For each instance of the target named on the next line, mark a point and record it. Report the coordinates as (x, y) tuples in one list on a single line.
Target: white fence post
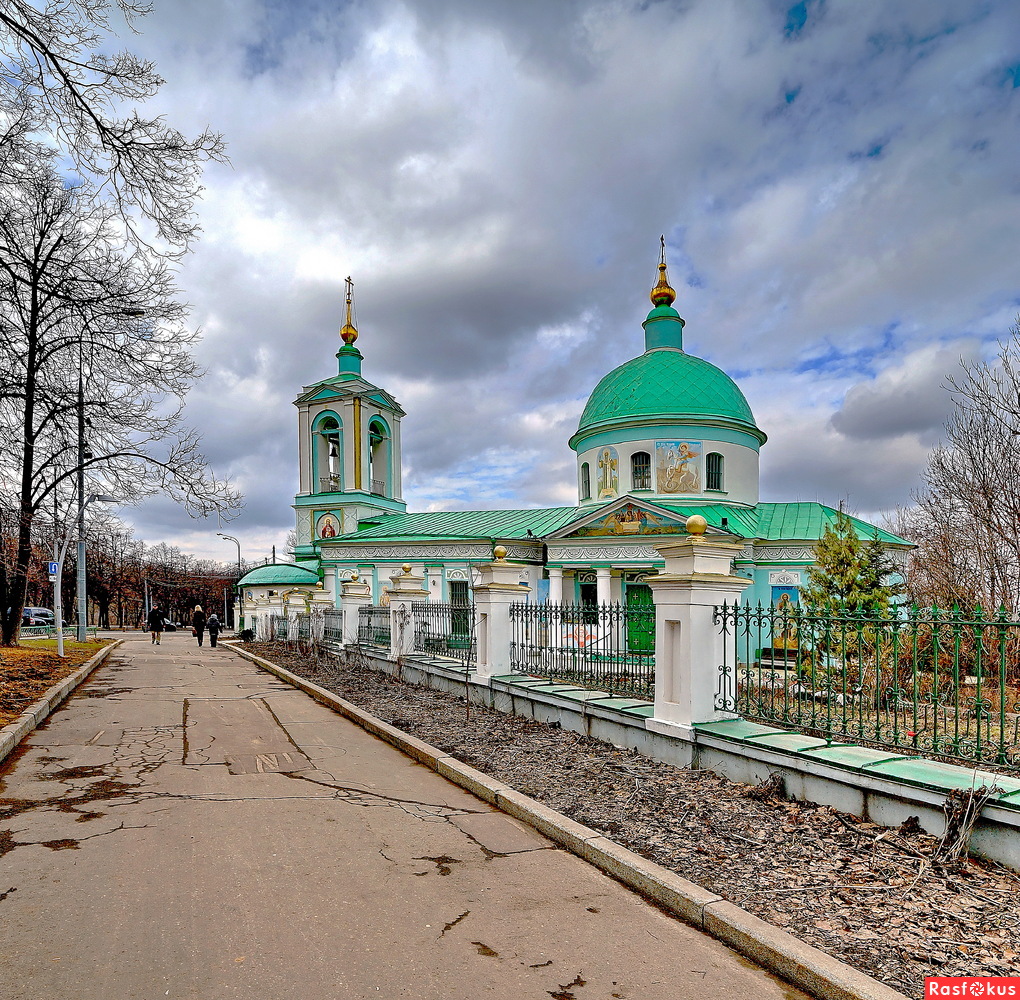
[(497, 589), (354, 595), (688, 643), (405, 590)]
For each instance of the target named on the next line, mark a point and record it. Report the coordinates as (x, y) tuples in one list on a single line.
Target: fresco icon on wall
[(678, 466), (328, 526), (609, 472), (631, 520)]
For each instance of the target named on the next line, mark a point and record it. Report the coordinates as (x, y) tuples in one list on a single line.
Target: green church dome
[(279, 574), (668, 384)]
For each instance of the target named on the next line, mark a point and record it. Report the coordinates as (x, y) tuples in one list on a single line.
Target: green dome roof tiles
[(279, 573), (669, 384)]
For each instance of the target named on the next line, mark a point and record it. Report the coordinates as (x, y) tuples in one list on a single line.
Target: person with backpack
[(213, 624), (155, 623), (198, 623)]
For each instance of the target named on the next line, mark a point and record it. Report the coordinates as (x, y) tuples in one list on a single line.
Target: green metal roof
[(666, 383), (806, 519), (465, 524), (741, 521), (278, 573), (776, 522)]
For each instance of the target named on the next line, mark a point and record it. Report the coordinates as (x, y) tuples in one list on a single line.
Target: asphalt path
[(188, 826)]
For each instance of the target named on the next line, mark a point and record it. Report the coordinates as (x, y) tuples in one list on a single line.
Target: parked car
[(169, 626), (38, 616)]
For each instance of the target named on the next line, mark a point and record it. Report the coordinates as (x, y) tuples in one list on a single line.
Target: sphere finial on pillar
[(696, 525)]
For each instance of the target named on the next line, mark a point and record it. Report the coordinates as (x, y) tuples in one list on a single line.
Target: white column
[(603, 584), (404, 590), (496, 591), (354, 595), (688, 643), (555, 585)]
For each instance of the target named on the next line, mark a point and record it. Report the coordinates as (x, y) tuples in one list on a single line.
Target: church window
[(713, 471), (379, 457), (585, 481), (328, 461), (641, 470)]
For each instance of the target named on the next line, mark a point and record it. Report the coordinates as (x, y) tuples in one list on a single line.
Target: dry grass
[(27, 672)]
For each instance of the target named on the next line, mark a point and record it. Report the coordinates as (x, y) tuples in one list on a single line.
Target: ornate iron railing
[(333, 626), (446, 630), (374, 626), (936, 682), (330, 484), (607, 646)]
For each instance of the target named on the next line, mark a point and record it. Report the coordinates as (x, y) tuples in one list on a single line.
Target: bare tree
[(58, 89), (77, 360), (967, 522)]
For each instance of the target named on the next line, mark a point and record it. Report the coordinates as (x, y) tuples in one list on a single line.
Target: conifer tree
[(881, 574), (846, 573)]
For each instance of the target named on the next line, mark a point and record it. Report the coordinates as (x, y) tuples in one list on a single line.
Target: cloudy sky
[(838, 182)]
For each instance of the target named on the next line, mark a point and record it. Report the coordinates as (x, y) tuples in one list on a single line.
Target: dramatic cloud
[(836, 181)]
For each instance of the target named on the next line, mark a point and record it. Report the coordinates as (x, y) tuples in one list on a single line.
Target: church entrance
[(640, 619)]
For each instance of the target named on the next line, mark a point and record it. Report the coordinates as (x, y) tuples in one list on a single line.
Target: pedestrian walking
[(213, 624), (198, 623), (155, 623)]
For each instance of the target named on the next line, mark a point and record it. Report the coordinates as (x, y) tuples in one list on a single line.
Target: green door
[(640, 619)]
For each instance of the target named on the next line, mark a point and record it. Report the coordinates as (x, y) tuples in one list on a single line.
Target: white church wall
[(740, 471)]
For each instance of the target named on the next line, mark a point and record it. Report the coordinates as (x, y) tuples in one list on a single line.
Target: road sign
[(52, 569), (53, 577)]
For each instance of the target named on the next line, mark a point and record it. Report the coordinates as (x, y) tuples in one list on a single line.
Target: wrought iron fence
[(333, 626), (607, 646), (374, 626), (446, 630), (934, 681)]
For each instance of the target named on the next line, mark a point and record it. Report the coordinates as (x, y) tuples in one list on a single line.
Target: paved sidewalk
[(188, 826)]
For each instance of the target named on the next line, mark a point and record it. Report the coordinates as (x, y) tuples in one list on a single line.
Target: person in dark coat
[(198, 623), (213, 624), (155, 623)]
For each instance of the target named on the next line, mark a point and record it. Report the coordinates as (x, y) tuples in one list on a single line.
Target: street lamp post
[(231, 538), (81, 502), (130, 312), (57, 597)]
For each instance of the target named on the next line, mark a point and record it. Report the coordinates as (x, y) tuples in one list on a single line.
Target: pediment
[(328, 393), (626, 517)]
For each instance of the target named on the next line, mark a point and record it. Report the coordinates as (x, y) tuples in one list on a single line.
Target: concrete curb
[(800, 964), (14, 732)]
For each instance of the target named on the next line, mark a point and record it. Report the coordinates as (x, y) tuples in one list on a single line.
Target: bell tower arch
[(349, 448)]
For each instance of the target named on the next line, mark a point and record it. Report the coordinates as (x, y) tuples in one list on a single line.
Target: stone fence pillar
[(496, 591), (354, 595), (688, 644), (404, 591)]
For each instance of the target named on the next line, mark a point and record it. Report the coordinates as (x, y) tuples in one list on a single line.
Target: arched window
[(328, 452), (641, 471), (585, 481), (379, 457), (713, 471)]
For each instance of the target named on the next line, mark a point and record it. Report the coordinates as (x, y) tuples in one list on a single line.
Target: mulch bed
[(878, 899), (28, 672)]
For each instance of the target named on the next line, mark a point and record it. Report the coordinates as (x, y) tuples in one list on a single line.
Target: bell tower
[(349, 449)]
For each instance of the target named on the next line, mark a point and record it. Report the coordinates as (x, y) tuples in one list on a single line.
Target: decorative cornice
[(411, 551), (784, 553), (527, 553), (571, 553)]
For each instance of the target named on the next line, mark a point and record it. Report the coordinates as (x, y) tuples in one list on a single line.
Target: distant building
[(663, 436)]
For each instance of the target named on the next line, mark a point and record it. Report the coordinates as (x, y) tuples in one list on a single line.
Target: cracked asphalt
[(188, 826)]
